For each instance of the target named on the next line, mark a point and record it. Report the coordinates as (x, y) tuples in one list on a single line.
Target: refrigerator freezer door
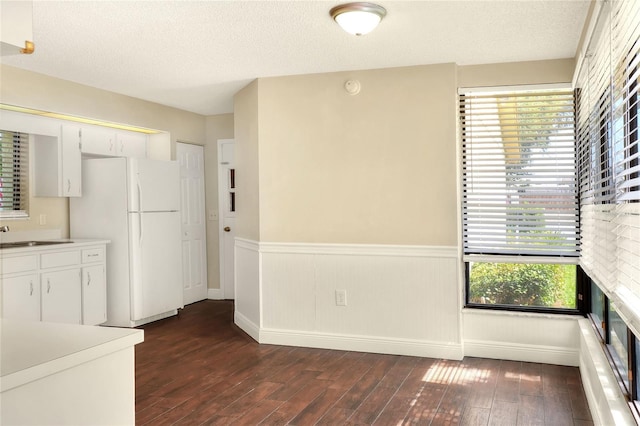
[(153, 185), (156, 263)]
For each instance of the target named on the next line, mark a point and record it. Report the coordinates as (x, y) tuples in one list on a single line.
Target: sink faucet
[(4, 228)]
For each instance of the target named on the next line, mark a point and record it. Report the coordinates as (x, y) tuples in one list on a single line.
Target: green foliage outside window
[(544, 285)]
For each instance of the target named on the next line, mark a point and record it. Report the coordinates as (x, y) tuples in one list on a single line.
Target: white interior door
[(194, 241), (227, 208)]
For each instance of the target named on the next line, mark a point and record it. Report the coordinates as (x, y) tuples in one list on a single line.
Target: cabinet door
[(131, 145), (98, 141), (71, 160), (61, 297), (21, 297), (94, 295)]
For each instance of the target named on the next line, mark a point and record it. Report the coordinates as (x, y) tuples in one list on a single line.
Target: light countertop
[(33, 350), (71, 244)]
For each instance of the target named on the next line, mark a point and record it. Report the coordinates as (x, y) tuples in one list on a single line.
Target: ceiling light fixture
[(358, 18)]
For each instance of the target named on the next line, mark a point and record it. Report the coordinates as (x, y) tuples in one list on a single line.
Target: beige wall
[(374, 168), (217, 127), (246, 130), (516, 73), (29, 89), (379, 167)]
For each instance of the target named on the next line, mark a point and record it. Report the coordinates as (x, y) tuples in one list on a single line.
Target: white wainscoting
[(518, 336), (247, 283), (400, 299)]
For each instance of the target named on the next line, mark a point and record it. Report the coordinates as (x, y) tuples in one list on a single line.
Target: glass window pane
[(597, 307), (523, 284), (618, 343)]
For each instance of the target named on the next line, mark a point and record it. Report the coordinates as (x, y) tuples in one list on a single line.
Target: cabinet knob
[(68, 185), (88, 279), (31, 288), (48, 285)]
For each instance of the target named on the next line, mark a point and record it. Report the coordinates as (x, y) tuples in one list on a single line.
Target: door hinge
[(630, 375), (580, 297)]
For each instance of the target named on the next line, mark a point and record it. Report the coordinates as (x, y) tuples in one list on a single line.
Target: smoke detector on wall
[(352, 87)]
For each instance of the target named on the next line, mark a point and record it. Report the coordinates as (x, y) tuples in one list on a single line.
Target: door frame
[(221, 203)]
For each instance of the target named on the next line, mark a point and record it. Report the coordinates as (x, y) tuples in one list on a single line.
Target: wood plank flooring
[(199, 368)]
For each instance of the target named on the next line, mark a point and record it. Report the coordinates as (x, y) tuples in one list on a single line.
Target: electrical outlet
[(213, 215), (341, 297), (43, 219)]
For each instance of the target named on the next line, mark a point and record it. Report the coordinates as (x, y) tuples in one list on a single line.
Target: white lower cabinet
[(21, 297), (66, 285), (94, 304), (61, 296)]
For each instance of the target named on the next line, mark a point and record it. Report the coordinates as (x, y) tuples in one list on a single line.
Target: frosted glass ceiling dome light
[(358, 18)]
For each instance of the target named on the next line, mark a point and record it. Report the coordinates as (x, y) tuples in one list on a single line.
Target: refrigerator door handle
[(139, 193)]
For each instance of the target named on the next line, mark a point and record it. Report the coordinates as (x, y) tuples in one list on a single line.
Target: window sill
[(521, 314)]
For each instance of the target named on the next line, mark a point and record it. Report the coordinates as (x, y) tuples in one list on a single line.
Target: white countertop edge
[(130, 338), (77, 243)]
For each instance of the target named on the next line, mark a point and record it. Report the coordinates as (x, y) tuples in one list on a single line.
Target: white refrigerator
[(134, 203)]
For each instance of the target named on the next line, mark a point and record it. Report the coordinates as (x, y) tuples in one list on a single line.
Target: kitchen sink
[(20, 244)]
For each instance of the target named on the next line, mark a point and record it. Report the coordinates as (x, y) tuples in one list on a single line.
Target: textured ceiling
[(195, 55)]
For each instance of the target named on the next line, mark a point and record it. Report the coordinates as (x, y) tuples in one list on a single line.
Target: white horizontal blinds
[(14, 172), (607, 98), (625, 55), (625, 34), (600, 119), (519, 180)]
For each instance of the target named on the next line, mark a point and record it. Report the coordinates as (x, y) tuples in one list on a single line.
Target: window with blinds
[(519, 177), (14, 174), (608, 158), (520, 205)]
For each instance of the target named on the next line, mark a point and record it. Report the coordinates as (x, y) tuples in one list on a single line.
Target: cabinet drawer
[(93, 255), (19, 264), (63, 258)]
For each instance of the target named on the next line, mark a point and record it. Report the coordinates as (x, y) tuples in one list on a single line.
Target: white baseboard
[(519, 352), (362, 344), (247, 326), (215, 294)]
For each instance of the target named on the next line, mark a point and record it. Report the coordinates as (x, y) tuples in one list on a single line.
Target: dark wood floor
[(199, 368)]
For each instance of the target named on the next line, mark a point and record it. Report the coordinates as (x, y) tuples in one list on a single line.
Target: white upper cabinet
[(131, 145), (71, 162), (98, 141), (103, 141), (16, 27), (58, 164)]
